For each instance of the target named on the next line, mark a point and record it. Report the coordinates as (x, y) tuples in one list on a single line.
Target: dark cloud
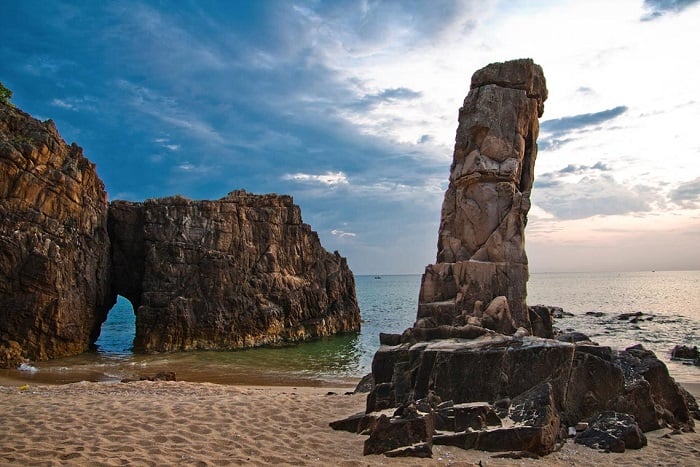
[(578, 169), (657, 8), (687, 194), (560, 131), (577, 122)]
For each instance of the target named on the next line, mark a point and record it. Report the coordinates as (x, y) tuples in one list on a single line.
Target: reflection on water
[(326, 360)]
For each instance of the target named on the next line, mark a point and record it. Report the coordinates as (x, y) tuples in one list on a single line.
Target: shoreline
[(159, 423)]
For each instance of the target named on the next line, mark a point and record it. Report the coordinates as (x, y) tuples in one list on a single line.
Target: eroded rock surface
[(476, 345), (481, 254), (238, 272), (54, 248)]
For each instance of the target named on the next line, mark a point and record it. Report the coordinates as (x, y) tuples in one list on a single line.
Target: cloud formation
[(687, 194), (557, 132), (351, 107), (658, 8), (329, 178)]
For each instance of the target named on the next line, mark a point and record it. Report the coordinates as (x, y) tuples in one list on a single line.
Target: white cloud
[(329, 178), (63, 104), (342, 233)]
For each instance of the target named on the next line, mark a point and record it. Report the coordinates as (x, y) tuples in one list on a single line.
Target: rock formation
[(481, 253), (239, 272), (54, 249), (480, 369)]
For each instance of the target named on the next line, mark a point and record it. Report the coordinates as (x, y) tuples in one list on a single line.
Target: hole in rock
[(118, 331)]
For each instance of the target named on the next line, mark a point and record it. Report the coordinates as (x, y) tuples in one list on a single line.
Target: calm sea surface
[(670, 302)]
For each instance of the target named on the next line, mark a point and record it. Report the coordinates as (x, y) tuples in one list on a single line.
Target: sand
[(181, 423)]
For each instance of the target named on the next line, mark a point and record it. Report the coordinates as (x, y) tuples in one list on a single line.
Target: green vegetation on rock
[(5, 94)]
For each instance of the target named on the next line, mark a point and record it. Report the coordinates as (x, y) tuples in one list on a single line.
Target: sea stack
[(481, 271), (478, 370)]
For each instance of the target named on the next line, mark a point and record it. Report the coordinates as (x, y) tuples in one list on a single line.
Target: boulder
[(391, 433), (612, 431), (651, 394), (542, 319), (484, 369), (684, 352)]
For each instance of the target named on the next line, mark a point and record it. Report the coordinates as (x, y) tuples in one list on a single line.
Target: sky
[(351, 108)]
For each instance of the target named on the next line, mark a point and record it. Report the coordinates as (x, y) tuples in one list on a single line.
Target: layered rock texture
[(479, 369), (238, 272), (481, 253), (54, 249)]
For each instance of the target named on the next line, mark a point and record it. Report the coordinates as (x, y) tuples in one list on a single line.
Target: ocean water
[(669, 301)]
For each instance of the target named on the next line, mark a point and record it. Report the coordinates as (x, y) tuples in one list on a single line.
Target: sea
[(669, 303)]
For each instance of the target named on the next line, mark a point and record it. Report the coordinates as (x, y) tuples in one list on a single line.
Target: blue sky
[(351, 107)]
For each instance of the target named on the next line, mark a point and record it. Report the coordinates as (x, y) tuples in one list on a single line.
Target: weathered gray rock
[(612, 431), (487, 368), (239, 272), (392, 433), (481, 252), (651, 394), (54, 249)]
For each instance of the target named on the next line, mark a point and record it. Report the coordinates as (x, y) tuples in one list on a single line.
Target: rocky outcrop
[(476, 345), (54, 249), (481, 254), (238, 272)]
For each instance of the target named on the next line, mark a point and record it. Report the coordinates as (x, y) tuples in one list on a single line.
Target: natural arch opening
[(119, 329)]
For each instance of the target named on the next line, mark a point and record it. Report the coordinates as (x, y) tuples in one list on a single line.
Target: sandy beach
[(182, 423)]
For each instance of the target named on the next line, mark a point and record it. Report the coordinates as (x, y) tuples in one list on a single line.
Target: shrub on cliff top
[(5, 94)]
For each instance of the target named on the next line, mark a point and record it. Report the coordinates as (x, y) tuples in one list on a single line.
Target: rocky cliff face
[(239, 272), (54, 249), (481, 253)]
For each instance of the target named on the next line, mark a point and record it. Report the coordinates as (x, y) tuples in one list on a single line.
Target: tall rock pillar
[(481, 246)]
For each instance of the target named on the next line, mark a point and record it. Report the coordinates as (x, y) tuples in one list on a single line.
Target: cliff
[(54, 249), (239, 272)]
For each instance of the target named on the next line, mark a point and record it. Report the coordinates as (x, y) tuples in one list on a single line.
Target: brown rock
[(54, 249), (393, 433), (481, 252), (239, 272)]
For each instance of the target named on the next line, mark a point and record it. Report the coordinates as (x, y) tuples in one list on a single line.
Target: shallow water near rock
[(669, 302)]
